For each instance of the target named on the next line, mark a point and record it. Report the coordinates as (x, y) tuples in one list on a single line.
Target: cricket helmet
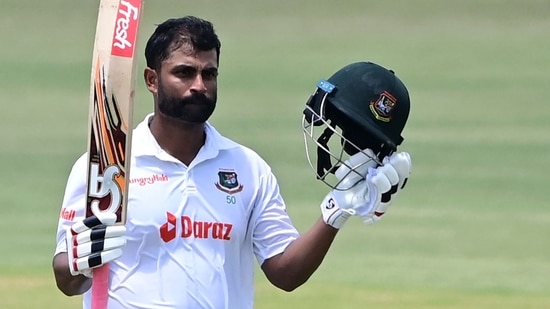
[(365, 105)]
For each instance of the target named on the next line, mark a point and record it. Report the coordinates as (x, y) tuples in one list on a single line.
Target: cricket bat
[(112, 93)]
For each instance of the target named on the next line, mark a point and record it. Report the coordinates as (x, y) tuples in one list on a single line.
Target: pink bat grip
[(100, 287)]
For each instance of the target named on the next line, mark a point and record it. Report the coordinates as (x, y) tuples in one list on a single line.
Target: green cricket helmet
[(363, 103)]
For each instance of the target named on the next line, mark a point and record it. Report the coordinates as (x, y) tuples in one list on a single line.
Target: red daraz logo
[(193, 229), (124, 38)]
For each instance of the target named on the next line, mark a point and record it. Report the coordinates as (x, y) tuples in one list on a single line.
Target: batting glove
[(395, 169), (338, 205), (93, 242), (372, 188)]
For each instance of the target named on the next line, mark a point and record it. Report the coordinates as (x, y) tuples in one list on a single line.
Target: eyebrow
[(183, 68), (213, 70), (188, 68)]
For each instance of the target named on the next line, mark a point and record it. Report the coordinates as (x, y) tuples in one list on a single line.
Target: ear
[(151, 79)]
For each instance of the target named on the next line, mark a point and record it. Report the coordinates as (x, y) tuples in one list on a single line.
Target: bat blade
[(112, 92)]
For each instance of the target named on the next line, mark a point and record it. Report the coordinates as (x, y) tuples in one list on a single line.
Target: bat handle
[(100, 287)]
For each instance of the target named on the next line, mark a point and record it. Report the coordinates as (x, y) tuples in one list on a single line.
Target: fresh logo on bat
[(124, 38)]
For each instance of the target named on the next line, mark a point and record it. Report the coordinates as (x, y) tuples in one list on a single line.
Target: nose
[(198, 84)]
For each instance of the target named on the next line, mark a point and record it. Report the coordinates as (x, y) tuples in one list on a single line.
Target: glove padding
[(371, 187), (396, 169), (93, 242)]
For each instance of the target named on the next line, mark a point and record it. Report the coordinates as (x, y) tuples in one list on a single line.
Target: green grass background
[(470, 231)]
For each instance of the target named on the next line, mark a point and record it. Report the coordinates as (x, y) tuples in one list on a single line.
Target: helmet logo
[(383, 107)]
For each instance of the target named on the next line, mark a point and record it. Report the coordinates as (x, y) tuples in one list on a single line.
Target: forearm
[(302, 257), (68, 284)]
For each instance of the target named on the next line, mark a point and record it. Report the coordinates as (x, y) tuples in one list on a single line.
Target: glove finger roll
[(104, 218), (96, 259), (389, 171), (402, 164), (100, 233), (382, 208), (89, 248), (380, 181)]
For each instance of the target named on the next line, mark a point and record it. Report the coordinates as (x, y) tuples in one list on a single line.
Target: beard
[(196, 108)]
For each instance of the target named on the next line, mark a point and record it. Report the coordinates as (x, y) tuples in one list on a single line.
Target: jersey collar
[(145, 144)]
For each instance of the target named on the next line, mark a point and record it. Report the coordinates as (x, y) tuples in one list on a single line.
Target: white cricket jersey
[(192, 231)]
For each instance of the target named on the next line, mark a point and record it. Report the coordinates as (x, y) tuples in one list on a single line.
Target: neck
[(181, 140)]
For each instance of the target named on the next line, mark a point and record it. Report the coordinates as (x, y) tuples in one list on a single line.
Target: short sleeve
[(73, 207), (273, 230)]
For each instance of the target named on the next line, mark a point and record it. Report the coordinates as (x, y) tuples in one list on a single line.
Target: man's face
[(187, 85)]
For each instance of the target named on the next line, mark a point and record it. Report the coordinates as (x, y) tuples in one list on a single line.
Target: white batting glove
[(395, 169), (93, 242), (372, 188), (338, 204)]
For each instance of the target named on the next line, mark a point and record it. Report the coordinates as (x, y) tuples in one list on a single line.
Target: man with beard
[(201, 207)]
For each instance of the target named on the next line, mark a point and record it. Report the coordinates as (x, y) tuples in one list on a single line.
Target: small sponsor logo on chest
[(67, 214), (149, 180)]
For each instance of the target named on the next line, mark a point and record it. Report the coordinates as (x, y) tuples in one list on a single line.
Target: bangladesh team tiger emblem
[(383, 108), (228, 182)]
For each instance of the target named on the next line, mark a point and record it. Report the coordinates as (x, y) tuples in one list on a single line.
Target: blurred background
[(471, 229)]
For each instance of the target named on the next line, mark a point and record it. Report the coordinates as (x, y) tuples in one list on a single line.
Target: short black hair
[(175, 32)]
